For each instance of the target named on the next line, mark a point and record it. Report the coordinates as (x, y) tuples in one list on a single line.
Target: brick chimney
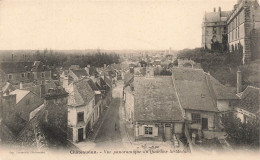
[(42, 89), (239, 81), (219, 9)]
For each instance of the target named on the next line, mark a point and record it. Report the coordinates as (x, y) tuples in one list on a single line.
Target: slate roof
[(81, 93), (250, 99), (156, 100), (16, 67), (193, 90), (216, 16), (108, 81)]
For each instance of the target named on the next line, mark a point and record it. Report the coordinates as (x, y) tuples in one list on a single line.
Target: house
[(202, 98), (78, 74), (81, 115), (16, 72), (20, 102), (152, 106), (248, 106)]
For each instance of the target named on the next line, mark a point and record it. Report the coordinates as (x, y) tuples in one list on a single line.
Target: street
[(109, 135)]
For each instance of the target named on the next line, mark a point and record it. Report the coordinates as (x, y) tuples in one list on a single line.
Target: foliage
[(242, 134), (222, 66)]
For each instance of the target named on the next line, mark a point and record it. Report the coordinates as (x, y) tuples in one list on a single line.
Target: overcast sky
[(125, 24)]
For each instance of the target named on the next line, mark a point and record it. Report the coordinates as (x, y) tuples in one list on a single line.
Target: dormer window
[(10, 76)]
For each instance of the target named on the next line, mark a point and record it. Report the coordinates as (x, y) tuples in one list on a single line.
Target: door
[(204, 123), (88, 129), (168, 132), (80, 134)]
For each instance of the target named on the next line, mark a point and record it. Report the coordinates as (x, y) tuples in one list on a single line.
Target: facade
[(214, 30), (242, 23), (16, 72), (152, 106), (25, 102), (203, 99), (81, 110)]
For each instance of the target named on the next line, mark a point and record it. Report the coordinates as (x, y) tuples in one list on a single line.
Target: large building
[(214, 30), (233, 30), (243, 23)]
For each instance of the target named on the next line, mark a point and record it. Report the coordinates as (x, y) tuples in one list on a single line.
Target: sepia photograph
[(129, 79)]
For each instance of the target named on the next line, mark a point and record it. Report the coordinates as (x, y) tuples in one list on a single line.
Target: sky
[(107, 24)]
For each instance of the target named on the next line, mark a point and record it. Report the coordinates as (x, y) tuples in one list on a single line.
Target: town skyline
[(110, 25)]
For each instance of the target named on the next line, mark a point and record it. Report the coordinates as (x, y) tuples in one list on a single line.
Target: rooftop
[(20, 94), (156, 100), (193, 90)]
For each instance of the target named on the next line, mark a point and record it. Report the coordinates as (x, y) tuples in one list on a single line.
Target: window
[(195, 118), (42, 74), (10, 76), (27, 102), (22, 75), (148, 130), (80, 116), (28, 75)]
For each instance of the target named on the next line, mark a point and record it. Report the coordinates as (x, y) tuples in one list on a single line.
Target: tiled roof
[(80, 73), (221, 91), (20, 94), (193, 90), (39, 67), (92, 85), (156, 100), (6, 135), (250, 99), (33, 134), (81, 93)]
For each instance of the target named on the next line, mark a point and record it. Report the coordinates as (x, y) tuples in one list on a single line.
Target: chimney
[(12, 57), (214, 9), (42, 89), (65, 82), (105, 66), (21, 85), (239, 81), (219, 9)]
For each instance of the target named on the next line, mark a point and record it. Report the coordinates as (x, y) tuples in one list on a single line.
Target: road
[(109, 137)]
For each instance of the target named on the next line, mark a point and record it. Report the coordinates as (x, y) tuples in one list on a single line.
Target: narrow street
[(109, 135)]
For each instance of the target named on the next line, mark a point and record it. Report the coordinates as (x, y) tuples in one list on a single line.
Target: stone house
[(16, 72), (24, 103), (153, 108), (81, 110), (202, 98)]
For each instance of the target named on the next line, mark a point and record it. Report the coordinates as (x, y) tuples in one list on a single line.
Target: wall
[(23, 109), (223, 105), (129, 106), (209, 115)]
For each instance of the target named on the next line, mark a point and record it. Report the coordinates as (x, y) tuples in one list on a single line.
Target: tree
[(242, 134)]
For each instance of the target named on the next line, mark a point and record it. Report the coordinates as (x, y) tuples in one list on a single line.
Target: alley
[(109, 135)]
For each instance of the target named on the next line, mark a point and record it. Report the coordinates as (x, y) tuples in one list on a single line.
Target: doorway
[(204, 123), (80, 134)]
